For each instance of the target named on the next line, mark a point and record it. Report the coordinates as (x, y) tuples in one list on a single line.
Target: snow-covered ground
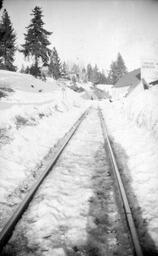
[(74, 212), (116, 93), (31, 123), (142, 108), (34, 115), (132, 124)]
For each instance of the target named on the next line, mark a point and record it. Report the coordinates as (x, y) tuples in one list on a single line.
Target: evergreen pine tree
[(7, 43), (75, 69), (55, 65), (36, 42), (89, 72), (27, 70), (1, 31), (22, 70), (102, 78), (1, 4), (64, 70), (84, 75), (95, 76), (112, 76), (121, 68), (117, 70)]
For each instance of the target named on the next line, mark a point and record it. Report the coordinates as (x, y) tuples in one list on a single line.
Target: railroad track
[(88, 188)]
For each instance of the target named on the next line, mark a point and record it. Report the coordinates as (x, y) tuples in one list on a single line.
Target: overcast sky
[(93, 31)]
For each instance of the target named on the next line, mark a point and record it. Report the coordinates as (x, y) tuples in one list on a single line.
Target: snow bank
[(136, 151), (142, 108), (32, 110), (31, 124), (29, 142), (25, 82)]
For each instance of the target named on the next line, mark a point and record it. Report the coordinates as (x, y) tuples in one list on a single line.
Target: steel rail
[(128, 213), (8, 229)]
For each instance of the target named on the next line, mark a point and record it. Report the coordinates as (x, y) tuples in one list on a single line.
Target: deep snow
[(74, 212), (30, 125), (36, 114), (132, 125)]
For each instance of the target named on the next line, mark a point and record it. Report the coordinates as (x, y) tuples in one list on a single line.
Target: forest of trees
[(36, 49)]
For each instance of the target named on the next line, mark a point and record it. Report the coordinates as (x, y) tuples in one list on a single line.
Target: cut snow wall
[(142, 108)]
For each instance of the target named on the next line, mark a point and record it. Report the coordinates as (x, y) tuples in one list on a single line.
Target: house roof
[(130, 79)]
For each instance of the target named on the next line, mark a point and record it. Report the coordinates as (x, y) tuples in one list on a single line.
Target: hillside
[(34, 115)]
